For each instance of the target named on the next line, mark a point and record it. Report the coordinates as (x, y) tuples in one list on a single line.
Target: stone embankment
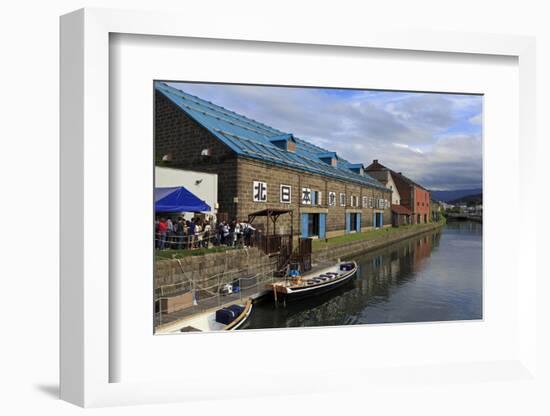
[(355, 248), (202, 268)]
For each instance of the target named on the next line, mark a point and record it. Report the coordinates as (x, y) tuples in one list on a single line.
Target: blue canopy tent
[(178, 199)]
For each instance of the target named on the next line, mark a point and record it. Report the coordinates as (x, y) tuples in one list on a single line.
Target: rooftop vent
[(357, 168), (284, 141), (330, 158)]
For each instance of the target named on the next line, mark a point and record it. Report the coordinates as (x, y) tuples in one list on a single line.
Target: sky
[(434, 139)]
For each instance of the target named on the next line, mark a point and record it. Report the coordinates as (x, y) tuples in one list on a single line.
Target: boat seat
[(229, 314), (237, 309)]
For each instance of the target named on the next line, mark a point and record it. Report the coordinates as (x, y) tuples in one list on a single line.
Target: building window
[(371, 202), (342, 199), (306, 196), (332, 199), (365, 202), (316, 198), (353, 201), (286, 194), (259, 191)]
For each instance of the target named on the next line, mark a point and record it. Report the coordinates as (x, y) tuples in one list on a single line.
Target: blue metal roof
[(252, 139)]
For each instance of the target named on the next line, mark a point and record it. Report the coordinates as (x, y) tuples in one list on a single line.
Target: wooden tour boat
[(298, 286)]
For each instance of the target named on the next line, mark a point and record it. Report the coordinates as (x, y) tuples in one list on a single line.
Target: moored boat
[(228, 318), (298, 286)]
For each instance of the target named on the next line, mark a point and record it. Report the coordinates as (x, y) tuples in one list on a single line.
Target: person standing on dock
[(162, 229), (248, 230), (207, 231)]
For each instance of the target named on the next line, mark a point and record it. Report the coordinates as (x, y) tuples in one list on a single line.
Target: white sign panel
[(259, 191), (286, 194), (342, 199), (332, 199), (306, 196)]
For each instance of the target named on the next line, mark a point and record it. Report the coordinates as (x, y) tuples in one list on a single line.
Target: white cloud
[(475, 119), (406, 146), (408, 132)]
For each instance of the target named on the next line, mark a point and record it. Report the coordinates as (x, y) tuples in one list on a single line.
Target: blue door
[(358, 223), (348, 225), (374, 220), (304, 225), (322, 225), (378, 220)]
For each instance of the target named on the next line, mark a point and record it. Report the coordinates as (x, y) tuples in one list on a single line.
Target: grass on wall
[(365, 236)]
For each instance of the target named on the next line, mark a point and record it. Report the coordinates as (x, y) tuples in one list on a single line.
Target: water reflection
[(434, 277)]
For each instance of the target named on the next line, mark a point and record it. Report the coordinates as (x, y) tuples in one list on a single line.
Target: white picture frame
[(86, 204)]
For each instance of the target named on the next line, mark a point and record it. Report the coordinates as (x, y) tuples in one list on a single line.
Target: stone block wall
[(349, 250), (201, 269), (275, 176), (184, 139)]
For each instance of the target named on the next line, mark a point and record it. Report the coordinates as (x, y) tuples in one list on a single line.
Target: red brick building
[(413, 196)]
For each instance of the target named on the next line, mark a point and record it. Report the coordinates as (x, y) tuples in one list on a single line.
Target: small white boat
[(228, 318), (317, 282)]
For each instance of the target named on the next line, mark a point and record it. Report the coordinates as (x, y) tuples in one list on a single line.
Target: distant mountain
[(469, 200), (448, 196)]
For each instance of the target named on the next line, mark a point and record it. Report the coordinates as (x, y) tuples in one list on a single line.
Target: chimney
[(375, 161), (400, 173)]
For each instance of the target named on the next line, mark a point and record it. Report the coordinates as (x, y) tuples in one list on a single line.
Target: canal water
[(433, 277)]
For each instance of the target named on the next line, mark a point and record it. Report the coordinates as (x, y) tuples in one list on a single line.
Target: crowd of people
[(181, 234)]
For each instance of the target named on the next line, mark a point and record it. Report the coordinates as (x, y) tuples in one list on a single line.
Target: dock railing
[(214, 291)]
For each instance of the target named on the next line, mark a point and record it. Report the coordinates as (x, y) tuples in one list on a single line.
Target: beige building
[(386, 179)]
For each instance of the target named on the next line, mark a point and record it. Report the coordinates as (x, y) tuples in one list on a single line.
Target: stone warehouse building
[(259, 167)]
